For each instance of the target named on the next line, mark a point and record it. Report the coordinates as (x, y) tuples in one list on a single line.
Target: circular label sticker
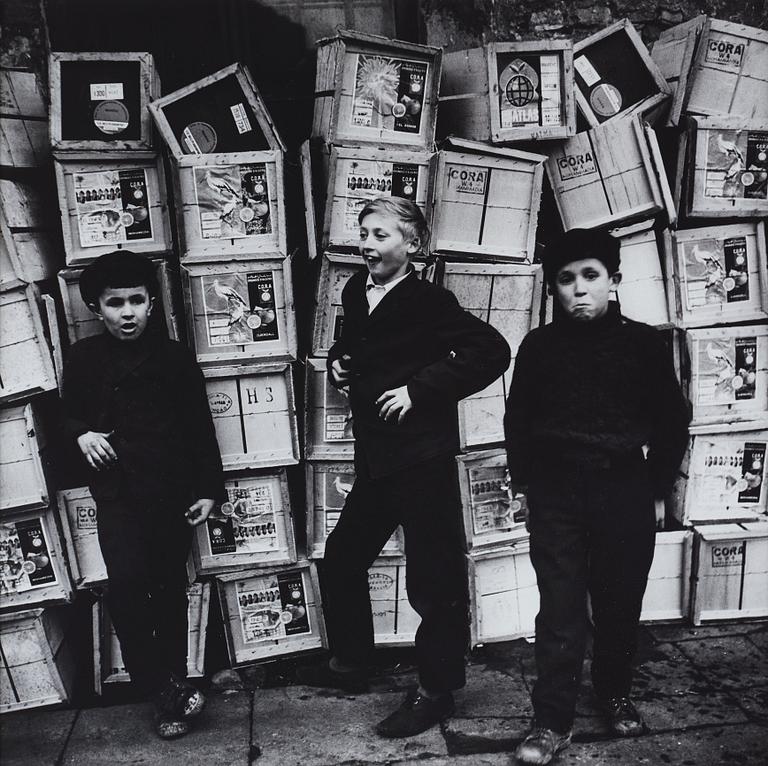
[(757, 465), (728, 284), (138, 194), (199, 138), (253, 321), (398, 110), (127, 219), (227, 509), (747, 178), (266, 296), (246, 214), (111, 117), (515, 506), (28, 567), (605, 100), (259, 188), (408, 189), (415, 87), (737, 382), (286, 617)]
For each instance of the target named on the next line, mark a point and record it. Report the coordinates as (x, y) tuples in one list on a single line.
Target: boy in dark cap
[(596, 427), (135, 404)]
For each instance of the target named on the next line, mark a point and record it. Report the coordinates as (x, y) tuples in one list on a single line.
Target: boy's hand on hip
[(395, 404), (198, 512), (341, 371), (96, 449)]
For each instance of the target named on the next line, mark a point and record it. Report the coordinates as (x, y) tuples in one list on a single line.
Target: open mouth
[(128, 327)]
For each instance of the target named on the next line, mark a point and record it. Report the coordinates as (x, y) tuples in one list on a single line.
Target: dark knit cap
[(120, 268), (578, 244)]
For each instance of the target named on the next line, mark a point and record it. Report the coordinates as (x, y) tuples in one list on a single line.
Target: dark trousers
[(145, 550), (424, 499), (592, 532)]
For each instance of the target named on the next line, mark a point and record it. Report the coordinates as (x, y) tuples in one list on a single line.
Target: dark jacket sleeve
[(339, 348), (518, 415), (207, 473), (77, 393), (479, 355), (672, 414)]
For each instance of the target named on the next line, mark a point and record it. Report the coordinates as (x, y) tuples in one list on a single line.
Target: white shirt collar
[(387, 287)]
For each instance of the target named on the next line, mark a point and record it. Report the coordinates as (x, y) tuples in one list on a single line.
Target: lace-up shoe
[(623, 717), (541, 746)]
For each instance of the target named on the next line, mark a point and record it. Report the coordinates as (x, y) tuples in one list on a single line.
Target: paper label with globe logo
[(25, 557), (245, 523), (529, 90), (112, 207)]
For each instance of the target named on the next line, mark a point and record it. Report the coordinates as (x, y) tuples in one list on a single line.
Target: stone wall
[(457, 24)]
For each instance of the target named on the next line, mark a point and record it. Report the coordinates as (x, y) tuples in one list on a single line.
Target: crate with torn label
[(328, 417), (667, 593), (395, 621), (77, 515)]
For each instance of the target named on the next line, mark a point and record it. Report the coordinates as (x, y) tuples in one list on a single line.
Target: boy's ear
[(151, 306), (94, 308), (615, 280), (414, 246)]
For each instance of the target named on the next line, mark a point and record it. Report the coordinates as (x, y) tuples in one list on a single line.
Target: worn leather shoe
[(541, 746), (416, 714), (324, 676), (179, 700), (623, 717)]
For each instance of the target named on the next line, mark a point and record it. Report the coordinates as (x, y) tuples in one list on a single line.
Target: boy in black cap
[(591, 392), (135, 404)]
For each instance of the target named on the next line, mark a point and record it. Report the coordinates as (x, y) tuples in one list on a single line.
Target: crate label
[(380, 581), (728, 554), (273, 607), (529, 90), (239, 308), (25, 557), (232, 201), (199, 138), (337, 414), (85, 517), (388, 94), (111, 117), (725, 52), (493, 507), (219, 402), (240, 116), (716, 272), (107, 91), (736, 164), (246, 523), (727, 371), (576, 165), (752, 472), (588, 73), (113, 207), (605, 100), (461, 179), (369, 179), (331, 520)]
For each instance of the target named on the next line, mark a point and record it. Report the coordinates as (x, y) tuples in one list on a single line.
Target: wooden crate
[(254, 414), (718, 274), (27, 212), (23, 482), (375, 90), (729, 375), (309, 188), (614, 73), (33, 571), (231, 205), (253, 528), (492, 516), (508, 297), (503, 597), (25, 357), (667, 593), (485, 201), (395, 621), (23, 121), (37, 665), (240, 311), (82, 322), (99, 100), (328, 485), (642, 293), (354, 175), (328, 417), (728, 176), (108, 664), (611, 174), (77, 515), (130, 210), (722, 478), (222, 113), (730, 569), (271, 614), (673, 53), (729, 74)]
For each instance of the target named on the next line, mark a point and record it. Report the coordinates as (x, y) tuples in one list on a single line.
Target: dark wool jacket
[(417, 336), (593, 391), (151, 393)]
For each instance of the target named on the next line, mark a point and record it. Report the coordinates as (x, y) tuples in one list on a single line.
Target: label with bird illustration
[(727, 370), (737, 164), (716, 271)]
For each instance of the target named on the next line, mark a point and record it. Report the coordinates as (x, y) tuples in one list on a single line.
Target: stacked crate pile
[(238, 296), (716, 265), (372, 136), (36, 661)]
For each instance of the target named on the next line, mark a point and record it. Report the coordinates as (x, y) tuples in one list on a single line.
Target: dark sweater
[(151, 394), (589, 393)]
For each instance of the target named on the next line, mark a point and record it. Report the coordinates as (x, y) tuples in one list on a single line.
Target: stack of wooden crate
[(238, 296), (718, 294)]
